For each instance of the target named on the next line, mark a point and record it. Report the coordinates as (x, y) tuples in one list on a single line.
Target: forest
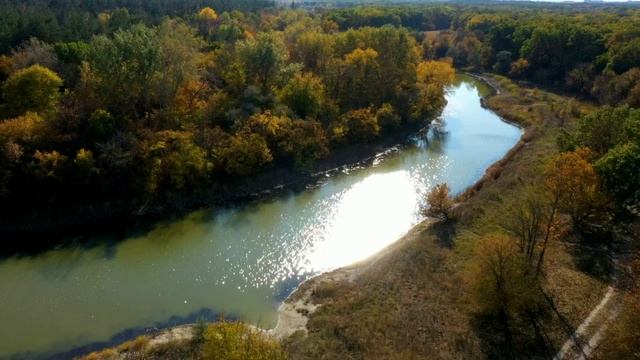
[(141, 108), (144, 103), (148, 100)]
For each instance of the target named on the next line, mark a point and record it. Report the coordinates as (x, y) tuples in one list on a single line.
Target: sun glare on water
[(367, 215)]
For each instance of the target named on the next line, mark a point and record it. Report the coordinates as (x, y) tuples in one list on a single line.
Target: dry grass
[(413, 303)]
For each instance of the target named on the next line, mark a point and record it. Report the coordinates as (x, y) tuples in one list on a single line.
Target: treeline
[(147, 112), (591, 50), (594, 54), (419, 18), (71, 20)]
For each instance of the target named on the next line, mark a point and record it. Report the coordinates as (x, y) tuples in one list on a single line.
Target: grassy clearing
[(414, 303)]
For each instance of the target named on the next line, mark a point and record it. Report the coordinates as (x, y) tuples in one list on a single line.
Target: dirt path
[(588, 335), (585, 340)]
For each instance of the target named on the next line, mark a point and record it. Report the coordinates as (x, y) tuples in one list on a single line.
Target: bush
[(237, 341), (439, 202)]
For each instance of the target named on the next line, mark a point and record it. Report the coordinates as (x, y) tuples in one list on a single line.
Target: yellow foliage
[(138, 344), (439, 73), (439, 201), (207, 14), (266, 124), (573, 183), (24, 128), (237, 341), (432, 78), (500, 277), (362, 56), (49, 163), (103, 18)]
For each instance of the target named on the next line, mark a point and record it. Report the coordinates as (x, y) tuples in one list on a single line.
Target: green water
[(241, 261)]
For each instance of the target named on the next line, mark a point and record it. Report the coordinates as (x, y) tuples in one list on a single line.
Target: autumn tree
[(358, 125), (85, 165), (439, 202), (175, 162), (35, 88), (387, 117), (302, 141), (534, 221), (206, 20), (180, 58), (305, 95), (432, 79), (573, 184), (247, 153), (506, 294), (34, 52), (359, 78), (501, 279)]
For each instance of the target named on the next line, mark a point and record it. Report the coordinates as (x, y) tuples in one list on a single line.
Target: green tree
[(262, 58), (305, 95), (503, 62), (35, 88), (360, 125), (604, 128), (247, 154), (627, 57), (619, 169), (313, 49), (122, 67), (176, 162)]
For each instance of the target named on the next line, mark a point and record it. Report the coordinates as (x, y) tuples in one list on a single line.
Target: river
[(241, 262)]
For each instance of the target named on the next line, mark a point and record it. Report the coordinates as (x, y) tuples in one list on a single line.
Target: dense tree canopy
[(148, 107), (157, 98)]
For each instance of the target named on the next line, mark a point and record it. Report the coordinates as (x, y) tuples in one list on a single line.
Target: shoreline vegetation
[(322, 292), (148, 121), (149, 108), (260, 187)]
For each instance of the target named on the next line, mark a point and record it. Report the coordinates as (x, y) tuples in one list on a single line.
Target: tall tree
[(35, 88)]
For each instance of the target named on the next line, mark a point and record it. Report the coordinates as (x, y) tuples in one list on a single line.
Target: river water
[(241, 261)]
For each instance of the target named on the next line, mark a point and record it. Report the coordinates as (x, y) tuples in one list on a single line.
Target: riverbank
[(410, 300), (414, 302), (466, 124), (52, 227)]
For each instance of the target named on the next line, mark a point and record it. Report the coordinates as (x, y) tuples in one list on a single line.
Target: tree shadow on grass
[(592, 255), (445, 232), (520, 341)]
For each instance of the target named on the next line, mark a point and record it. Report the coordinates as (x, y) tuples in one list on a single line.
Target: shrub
[(237, 341), (439, 202)]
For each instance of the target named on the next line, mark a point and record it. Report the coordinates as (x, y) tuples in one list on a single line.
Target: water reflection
[(242, 261)]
